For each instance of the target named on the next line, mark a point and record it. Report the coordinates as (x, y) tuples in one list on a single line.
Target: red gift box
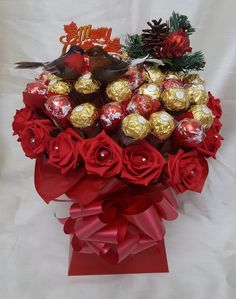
[(152, 260)]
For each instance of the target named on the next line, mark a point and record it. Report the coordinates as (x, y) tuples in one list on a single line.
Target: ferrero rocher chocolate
[(154, 75), (173, 75), (84, 115), (53, 78), (175, 99), (59, 87), (162, 124), (135, 126), (119, 90), (203, 114), (86, 84), (195, 79), (197, 94), (150, 89)]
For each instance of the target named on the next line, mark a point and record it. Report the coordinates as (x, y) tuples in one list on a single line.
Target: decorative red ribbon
[(108, 217)]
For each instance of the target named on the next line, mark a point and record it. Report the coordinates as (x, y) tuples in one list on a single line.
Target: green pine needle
[(134, 46), (178, 21), (188, 62)]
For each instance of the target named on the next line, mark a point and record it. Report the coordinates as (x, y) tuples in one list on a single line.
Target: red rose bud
[(176, 44), (188, 133), (22, 118), (102, 155), (143, 104), (34, 95), (187, 171), (111, 115), (214, 105), (58, 108), (142, 163)]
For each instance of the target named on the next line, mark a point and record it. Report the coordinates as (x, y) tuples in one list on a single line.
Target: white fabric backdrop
[(201, 243)]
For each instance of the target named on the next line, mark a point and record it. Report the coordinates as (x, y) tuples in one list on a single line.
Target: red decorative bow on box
[(109, 217)]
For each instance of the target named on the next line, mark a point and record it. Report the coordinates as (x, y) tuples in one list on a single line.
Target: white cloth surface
[(201, 243)]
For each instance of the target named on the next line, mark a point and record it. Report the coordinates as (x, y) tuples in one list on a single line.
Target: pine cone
[(154, 38)]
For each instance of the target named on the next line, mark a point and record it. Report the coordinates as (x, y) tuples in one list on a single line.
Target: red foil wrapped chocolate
[(34, 95), (143, 104), (188, 133), (111, 114), (173, 83), (58, 108), (135, 77)]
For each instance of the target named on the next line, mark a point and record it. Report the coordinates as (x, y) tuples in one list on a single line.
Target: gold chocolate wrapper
[(153, 75), (197, 94), (203, 114), (86, 84), (174, 75), (162, 124), (195, 79), (53, 78), (175, 99), (150, 89), (135, 126), (84, 115), (119, 90), (59, 87)]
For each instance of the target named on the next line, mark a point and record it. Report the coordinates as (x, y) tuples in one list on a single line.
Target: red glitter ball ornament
[(111, 114), (188, 133), (58, 106), (143, 104)]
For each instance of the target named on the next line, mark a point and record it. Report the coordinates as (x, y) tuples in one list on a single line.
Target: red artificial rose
[(35, 137), (211, 143), (187, 171), (102, 155), (176, 44), (64, 150), (216, 125), (22, 118), (142, 163), (214, 105)]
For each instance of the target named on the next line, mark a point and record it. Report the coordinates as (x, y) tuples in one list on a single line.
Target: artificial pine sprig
[(134, 46), (188, 62), (178, 21)]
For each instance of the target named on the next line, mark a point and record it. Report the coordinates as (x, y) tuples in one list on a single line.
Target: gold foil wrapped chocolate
[(197, 94), (53, 78), (175, 99), (87, 85), (84, 115), (203, 114), (162, 124), (195, 79), (135, 126), (119, 90), (153, 75), (174, 75), (59, 87), (150, 89)]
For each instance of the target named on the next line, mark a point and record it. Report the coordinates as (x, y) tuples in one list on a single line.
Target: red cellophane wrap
[(114, 227)]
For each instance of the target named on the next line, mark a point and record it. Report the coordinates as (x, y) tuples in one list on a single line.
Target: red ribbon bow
[(108, 217)]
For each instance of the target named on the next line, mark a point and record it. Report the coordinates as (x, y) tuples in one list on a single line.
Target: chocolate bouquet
[(117, 130)]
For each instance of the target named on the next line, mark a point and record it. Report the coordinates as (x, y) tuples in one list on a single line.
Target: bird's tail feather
[(28, 65)]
